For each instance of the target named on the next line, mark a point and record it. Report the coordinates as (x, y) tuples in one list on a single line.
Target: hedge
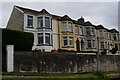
[(22, 41)]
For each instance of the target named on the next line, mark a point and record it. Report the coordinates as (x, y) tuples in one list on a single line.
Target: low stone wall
[(64, 62)]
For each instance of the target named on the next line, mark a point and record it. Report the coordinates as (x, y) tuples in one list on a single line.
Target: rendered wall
[(64, 62)]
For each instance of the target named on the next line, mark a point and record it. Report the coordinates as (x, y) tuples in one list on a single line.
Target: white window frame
[(76, 30), (32, 21), (67, 28), (44, 39), (44, 21)]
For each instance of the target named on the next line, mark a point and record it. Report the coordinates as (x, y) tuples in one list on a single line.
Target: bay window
[(92, 31), (76, 30), (67, 27), (93, 44), (40, 38), (47, 38), (40, 22), (88, 31), (71, 41), (101, 34), (43, 22), (102, 45), (47, 22), (89, 44), (67, 41), (64, 26), (81, 30), (44, 38)]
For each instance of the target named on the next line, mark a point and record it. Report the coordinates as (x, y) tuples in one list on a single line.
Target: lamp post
[(97, 54)]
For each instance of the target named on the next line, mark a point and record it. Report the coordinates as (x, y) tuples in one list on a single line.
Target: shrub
[(104, 51), (114, 50), (22, 41)]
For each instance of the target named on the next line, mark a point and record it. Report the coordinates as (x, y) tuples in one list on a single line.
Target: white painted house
[(41, 23)]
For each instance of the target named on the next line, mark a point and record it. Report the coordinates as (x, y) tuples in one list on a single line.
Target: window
[(88, 31), (44, 38), (101, 34), (30, 21), (47, 22), (102, 45), (69, 27), (71, 41), (107, 36), (40, 38), (106, 46), (65, 41), (114, 37), (92, 31), (43, 22), (47, 38), (93, 43), (40, 22), (64, 26), (76, 30), (81, 31), (89, 43), (116, 46)]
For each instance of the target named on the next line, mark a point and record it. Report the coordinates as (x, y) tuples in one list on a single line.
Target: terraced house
[(61, 32)]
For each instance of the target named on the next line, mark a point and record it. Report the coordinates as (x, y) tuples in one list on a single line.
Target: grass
[(88, 76)]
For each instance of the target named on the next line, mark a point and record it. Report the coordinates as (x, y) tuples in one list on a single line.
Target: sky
[(104, 13)]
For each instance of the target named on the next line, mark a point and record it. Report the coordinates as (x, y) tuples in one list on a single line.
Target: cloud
[(105, 13)]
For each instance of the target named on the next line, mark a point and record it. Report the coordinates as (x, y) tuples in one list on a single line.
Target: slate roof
[(66, 17), (114, 31)]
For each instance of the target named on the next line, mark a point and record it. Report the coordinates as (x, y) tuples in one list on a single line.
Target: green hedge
[(22, 41)]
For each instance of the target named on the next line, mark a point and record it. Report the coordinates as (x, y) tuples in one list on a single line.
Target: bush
[(104, 51), (114, 50), (22, 41)]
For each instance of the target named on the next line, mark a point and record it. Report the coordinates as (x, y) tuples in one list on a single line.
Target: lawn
[(89, 76)]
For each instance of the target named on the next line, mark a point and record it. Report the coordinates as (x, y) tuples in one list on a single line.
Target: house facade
[(61, 32)]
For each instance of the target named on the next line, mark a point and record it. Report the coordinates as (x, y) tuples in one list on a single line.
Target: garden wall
[(63, 62)]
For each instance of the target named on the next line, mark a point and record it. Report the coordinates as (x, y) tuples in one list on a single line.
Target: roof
[(114, 31), (26, 9), (66, 17), (88, 23)]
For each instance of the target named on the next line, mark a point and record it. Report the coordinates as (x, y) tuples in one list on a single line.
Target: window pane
[(93, 43), (47, 22), (47, 38), (71, 41), (30, 21), (40, 21), (65, 41), (89, 43), (102, 45), (40, 38), (101, 34), (81, 31), (69, 27), (92, 31), (64, 27), (76, 30), (88, 31), (115, 37)]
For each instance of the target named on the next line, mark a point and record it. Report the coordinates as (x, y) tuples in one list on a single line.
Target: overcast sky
[(105, 13)]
